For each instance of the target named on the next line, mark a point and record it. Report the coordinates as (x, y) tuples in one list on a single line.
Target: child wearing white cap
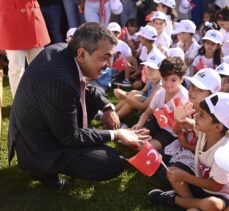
[(163, 40), (185, 31), (180, 153), (210, 52), (140, 100), (168, 8), (223, 71), (208, 187)]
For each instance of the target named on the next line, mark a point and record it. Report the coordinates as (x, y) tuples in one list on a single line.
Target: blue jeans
[(52, 15), (74, 18)]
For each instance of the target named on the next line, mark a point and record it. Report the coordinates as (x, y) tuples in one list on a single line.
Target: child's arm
[(175, 174), (135, 104), (145, 115)]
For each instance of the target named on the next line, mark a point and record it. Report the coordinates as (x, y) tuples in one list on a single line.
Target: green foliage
[(127, 192)]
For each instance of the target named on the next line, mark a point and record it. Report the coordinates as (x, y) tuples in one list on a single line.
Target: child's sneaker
[(124, 83), (159, 197)]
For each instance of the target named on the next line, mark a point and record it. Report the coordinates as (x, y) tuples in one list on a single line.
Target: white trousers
[(17, 65)]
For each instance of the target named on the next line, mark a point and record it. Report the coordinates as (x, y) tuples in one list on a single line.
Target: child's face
[(159, 25), (153, 74), (132, 29), (184, 37), (196, 95), (206, 17), (162, 8), (203, 121), (210, 47), (225, 25), (225, 84), (171, 83)]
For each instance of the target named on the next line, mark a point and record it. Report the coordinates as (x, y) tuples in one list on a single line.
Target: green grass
[(128, 192)]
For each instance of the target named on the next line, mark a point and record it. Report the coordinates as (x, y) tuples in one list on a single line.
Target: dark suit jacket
[(46, 115)]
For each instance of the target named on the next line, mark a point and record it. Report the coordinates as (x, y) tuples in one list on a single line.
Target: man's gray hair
[(88, 35)]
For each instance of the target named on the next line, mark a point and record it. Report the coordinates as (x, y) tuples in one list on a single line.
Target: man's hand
[(111, 120), (129, 138)]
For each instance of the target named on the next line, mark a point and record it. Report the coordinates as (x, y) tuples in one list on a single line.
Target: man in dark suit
[(47, 118)]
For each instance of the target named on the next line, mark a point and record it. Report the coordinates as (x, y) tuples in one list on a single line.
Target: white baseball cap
[(218, 105), (154, 60), (206, 79), (223, 69), (169, 3), (185, 26), (178, 52), (184, 6), (70, 32), (214, 36), (226, 59), (113, 26), (148, 32), (159, 15)]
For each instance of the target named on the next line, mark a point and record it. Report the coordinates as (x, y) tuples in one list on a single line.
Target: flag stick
[(162, 162)]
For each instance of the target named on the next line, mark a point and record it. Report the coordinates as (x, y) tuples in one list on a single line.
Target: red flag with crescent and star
[(165, 115), (120, 63), (147, 160)]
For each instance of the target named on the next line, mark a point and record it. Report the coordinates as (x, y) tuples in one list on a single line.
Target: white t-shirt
[(169, 25), (225, 45), (164, 40), (144, 55), (123, 48), (158, 101), (206, 61), (206, 167)]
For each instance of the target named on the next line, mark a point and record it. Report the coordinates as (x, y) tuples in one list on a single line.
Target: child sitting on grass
[(172, 70), (139, 100), (208, 188)]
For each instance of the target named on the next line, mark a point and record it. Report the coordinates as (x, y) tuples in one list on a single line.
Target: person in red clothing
[(23, 35)]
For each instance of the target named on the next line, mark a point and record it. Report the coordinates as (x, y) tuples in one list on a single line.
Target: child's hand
[(175, 174), (181, 112), (119, 93), (136, 126), (181, 138)]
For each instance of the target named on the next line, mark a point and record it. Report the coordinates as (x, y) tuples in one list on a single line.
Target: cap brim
[(197, 83), (213, 40), (150, 64)]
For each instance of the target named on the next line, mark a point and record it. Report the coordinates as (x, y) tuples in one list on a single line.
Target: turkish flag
[(201, 65), (120, 63), (147, 160), (165, 115), (124, 35)]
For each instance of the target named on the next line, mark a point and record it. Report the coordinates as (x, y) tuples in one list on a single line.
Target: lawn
[(127, 192)]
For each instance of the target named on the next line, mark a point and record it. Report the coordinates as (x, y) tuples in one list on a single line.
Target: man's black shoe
[(159, 197), (51, 181)]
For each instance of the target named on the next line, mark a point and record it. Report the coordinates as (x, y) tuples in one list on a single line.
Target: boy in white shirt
[(208, 189), (172, 70)]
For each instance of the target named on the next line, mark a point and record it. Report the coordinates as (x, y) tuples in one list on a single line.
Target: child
[(172, 69), (180, 153), (208, 189), (128, 101), (185, 31), (210, 52), (147, 37), (163, 40), (223, 17), (167, 7), (223, 71)]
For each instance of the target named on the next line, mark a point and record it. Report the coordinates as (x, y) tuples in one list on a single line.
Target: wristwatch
[(109, 107)]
